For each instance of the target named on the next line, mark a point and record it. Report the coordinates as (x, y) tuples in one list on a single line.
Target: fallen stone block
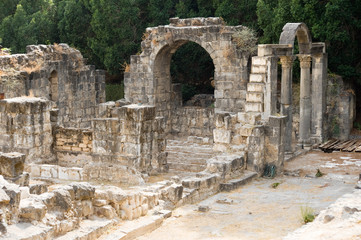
[(62, 200), (83, 191), (11, 164), (21, 180), (87, 208), (38, 188), (105, 211), (32, 209)]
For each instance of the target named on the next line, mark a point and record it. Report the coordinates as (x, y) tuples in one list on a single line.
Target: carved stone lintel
[(287, 61), (305, 60)]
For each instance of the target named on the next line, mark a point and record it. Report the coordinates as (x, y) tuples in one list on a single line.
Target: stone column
[(319, 89), (286, 98), (305, 100)]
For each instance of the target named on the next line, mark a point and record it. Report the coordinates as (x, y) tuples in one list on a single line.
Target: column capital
[(287, 61), (305, 60)]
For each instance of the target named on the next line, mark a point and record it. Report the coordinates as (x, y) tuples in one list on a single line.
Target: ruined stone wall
[(341, 108), (241, 132), (149, 81), (73, 146), (73, 139), (58, 73), (133, 136), (25, 127), (193, 121)]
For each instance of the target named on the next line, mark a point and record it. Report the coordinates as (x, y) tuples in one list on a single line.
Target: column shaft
[(319, 85), (286, 98), (305, 100)]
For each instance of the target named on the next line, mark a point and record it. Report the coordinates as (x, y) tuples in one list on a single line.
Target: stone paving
[(258, 211)]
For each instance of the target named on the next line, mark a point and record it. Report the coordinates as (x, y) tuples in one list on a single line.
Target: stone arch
[(144, 83), (292, 30), (54, 86), (162, 84)]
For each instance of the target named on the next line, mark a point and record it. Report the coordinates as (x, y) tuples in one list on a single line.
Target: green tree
[(23, 28), (117, 31), (159, 12), (74, 26), (7, 8)]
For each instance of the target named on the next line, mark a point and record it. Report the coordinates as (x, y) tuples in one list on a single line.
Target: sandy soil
[(258, 211)]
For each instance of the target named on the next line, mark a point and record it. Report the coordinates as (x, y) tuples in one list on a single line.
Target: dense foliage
[(107, 32)]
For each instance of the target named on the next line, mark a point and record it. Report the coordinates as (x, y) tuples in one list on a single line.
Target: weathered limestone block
[(38, 188), (49, 171), (11, 164), (62, 200), (11, 213), (140, 113), (249, 118), (74, 173), (225, 165), (83, 191), (254, 77), (172, 193), (254, 107), (105, 211), (87, 208), (104, 110), (275, 142), (32, 209), (21, 180), (99, 202), (222, 136)]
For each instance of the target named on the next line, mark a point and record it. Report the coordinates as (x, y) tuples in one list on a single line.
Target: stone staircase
[(256, 86), (188, 155)]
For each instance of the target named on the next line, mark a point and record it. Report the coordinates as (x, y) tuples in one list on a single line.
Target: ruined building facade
[(55, 123)]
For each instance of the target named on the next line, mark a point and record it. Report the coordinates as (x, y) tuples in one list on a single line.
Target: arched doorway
[(149, 79), (193, 70)]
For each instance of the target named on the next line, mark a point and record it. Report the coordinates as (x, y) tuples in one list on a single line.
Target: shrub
[(246, 40)]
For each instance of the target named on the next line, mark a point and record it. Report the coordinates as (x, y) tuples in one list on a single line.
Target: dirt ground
[(258, 211)]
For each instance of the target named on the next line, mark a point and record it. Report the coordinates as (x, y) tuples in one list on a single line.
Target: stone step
[(259, 78), (187, 167), (188, 150), (254, 97), (89, 229), (129, 230), (187, 161), (255, 87), (232, 184), (186, 156), (180, 143), (192, 149), (258, 69), (254, 107)]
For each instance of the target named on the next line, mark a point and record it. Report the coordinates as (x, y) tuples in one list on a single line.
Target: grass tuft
[(307, 214)]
